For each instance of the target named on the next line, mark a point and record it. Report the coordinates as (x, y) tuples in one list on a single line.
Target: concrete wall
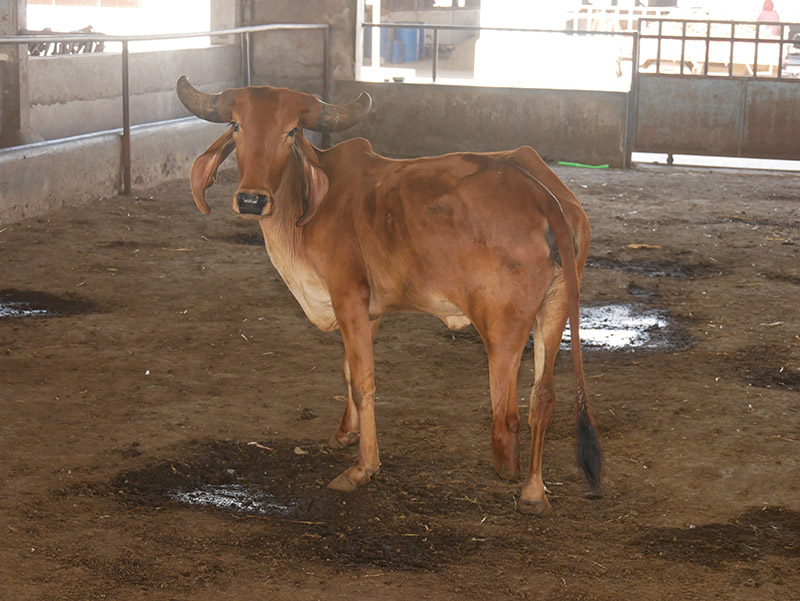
[(72, 95), (418, 119), (424, 119), (2, 93), (294, 59), (42, 177)]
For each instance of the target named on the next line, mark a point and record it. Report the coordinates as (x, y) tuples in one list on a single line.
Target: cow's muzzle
[(251, 204)]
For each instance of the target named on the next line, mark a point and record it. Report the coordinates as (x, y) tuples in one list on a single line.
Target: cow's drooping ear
[(315, 186), (204, 168)]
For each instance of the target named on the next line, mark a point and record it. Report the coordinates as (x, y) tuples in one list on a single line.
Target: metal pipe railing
[(732, 41), (243, 32), (478, 28)]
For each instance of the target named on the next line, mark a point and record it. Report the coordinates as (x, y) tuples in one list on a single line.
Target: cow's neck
[(284, 242)]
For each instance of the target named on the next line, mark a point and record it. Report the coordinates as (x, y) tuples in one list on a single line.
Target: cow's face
[(266, 130)]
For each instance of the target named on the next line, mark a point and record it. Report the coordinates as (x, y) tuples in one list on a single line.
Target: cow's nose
[(251, 204)]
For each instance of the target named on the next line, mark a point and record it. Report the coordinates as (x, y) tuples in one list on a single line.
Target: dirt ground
[(174, 368)]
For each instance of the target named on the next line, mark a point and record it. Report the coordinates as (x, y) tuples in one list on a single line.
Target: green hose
[(567, 164)]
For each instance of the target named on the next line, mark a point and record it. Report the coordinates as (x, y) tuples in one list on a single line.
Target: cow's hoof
[(594, 493), (351, 479), (508, 472), (342, 483), (348, 440), (536, 508)]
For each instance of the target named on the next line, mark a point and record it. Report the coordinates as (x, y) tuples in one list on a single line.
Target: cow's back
[(439, 234)]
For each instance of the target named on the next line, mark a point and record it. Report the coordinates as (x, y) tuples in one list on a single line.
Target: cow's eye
[(234, 126)]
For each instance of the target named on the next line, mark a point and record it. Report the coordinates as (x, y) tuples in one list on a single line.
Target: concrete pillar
[(15, 106), (224, 15)]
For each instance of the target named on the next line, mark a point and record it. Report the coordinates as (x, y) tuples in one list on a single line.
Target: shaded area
[(767, 367), (783, 277), (247, 239), (773, 377), (30, 303), (655, 269), (757, 532), (393, 524)]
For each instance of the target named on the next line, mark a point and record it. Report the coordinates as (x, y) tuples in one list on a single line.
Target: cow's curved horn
[(339, 117), (211, 107)]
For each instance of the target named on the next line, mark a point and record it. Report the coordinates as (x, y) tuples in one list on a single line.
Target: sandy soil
[(179, 364)]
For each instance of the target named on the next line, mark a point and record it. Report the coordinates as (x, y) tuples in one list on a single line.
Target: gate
[(720, 88)]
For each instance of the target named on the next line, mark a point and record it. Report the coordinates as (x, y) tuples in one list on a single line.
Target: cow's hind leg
[(505, 340), (547, 332), (347, 433)]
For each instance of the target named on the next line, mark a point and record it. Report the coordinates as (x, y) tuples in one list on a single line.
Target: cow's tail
[(589, 453)]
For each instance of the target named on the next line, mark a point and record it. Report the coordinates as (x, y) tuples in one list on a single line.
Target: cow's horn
[(339, 117), (211, 107)]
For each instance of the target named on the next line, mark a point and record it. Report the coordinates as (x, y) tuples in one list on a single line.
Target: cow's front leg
[(356, 333), (347, 433)]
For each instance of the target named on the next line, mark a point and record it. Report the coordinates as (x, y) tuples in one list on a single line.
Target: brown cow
[(470, 238)]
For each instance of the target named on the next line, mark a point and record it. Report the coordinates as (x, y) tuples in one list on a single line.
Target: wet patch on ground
[(30, 303), (395, 523), (117, 244), (655, 269), (239, 498), (765, 366), (783, 277), (642, 293), (247, 239), (761, 222), (757, 532), (629, 327), (768, 376)]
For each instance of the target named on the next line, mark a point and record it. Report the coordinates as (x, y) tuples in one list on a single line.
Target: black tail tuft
[(590, 456)]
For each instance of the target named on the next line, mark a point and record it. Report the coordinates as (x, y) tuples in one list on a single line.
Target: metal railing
[(244, 34), (712, 48), (593, 18), (478, 28)]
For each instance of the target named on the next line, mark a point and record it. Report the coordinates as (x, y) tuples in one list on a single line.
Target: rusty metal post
[(755, 52), (326, 64), (245, 50), (683, 46), (733, 41), (435, 53), (658, 49), (126, 120), (326, 77), (633, 101)]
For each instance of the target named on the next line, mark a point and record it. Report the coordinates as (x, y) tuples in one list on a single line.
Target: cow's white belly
[(457, 322)]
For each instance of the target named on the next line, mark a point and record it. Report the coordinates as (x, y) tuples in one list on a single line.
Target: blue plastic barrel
[(409, 37), (397, 51), (386, 44)]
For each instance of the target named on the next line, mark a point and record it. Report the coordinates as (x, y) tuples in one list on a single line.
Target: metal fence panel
[(689, 116), (772, 120), (716, 88)]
